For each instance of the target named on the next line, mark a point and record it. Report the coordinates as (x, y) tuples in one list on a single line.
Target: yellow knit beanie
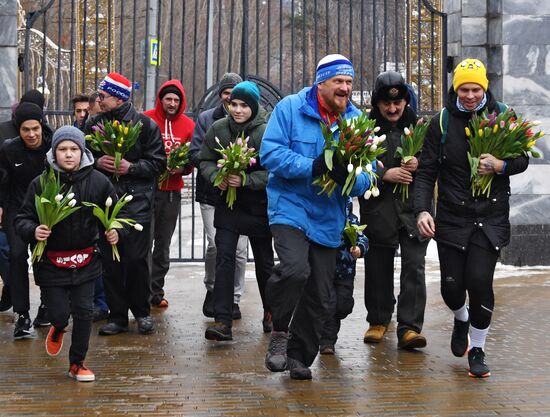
[(470, 71)]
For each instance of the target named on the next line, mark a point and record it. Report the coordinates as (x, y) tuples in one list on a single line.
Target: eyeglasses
[(102, 96)]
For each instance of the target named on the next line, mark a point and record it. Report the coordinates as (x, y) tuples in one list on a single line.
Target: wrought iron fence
[(67, 46)]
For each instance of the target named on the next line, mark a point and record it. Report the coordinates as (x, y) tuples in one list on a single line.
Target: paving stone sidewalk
[(176, 372)]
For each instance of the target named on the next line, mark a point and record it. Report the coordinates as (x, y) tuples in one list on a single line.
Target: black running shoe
[(41, 319), (478, 367), (460, 338), (145, 325), (298, 370), (218, 331), (236, 312), (23, 328)]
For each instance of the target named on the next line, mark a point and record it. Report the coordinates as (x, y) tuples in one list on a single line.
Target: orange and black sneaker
[(478, 367), (159, 302), (54, 341), (81, 373)]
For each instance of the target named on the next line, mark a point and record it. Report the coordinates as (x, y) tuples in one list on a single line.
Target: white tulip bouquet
[(109, 220), (52, 206)]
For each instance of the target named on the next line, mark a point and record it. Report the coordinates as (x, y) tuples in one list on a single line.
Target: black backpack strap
[(443, 126)]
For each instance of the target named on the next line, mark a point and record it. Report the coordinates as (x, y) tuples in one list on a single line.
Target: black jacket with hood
[(386, 214), (147, 156), (78, 231), (19, 165), (458, 213)]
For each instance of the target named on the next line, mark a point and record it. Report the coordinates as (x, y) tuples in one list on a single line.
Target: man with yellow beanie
[(469, 231)]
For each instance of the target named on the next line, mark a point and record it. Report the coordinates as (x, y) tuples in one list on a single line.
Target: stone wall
[(513, 38), (8, 52)]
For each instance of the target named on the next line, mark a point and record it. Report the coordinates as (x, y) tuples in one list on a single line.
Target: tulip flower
[(115, 139), (238, 157), (412, 142), (352, 145), (109, 219), (501, 142), (52, 206), (178, 157)]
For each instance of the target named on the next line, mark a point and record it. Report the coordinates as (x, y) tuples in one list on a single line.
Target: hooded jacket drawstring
[(168, 129)]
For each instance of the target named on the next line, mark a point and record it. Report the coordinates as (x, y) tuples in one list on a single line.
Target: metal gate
[(67, 46)]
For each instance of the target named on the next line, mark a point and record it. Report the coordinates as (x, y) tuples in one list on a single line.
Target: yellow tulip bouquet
[(114, 138), (177, 158)]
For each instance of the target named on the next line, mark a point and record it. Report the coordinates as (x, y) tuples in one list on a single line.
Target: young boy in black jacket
[(66, 273)]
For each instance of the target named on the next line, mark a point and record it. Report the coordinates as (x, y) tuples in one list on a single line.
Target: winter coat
[(292, 140), (19, 165), (78, 231), (175, 132), (458, 213), (386, 214), (147, 157), (249, 213), (205, 192), (345, 262)]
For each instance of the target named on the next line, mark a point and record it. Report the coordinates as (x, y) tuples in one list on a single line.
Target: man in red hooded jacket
[(176, 129)]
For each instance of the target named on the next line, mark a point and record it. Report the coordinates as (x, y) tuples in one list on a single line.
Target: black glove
[(319, 166), (339, 173)]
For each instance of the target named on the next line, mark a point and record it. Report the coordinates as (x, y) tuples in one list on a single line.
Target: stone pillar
[(8, 52), (512, 37)]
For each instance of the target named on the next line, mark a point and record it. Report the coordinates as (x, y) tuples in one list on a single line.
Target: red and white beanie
[(116, 85)]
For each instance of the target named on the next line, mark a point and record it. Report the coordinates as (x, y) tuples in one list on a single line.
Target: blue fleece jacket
[(292, 140)]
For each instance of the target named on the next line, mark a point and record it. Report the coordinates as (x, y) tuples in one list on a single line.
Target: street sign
[(155, 52)]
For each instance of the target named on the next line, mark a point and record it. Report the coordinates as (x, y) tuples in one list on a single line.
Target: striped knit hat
[(116, 85), (333, 65)]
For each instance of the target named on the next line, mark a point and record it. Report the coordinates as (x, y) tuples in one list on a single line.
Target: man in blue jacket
[(306, 225)]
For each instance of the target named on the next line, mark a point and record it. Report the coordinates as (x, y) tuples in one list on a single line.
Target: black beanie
[(28, 111), (229, 80), (33, 96), (170, 89)]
